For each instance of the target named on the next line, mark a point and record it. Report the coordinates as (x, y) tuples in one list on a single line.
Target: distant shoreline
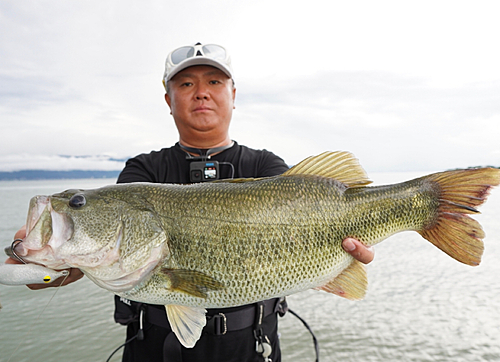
[(73, 174), (56, 175)]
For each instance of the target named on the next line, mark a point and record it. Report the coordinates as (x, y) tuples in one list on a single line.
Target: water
[(421, 305)]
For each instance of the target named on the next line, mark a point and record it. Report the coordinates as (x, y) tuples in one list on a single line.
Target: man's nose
[(202, 92)]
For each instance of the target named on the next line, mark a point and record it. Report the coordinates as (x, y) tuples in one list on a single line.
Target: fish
[(235, 242)]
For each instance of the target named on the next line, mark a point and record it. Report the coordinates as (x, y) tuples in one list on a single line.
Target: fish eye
[(77, 201)]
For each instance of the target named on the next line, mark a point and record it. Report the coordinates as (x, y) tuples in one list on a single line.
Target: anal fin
[(351, 283), (186, 322)]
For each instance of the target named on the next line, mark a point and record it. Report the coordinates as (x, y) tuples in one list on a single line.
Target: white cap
[(198, 54)]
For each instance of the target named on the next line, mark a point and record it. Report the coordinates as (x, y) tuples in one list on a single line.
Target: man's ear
[(167, 99)]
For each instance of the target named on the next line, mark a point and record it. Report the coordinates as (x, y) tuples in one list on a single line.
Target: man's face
[(201, 99)]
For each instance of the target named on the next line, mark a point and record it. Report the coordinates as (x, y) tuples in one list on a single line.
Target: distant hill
[(54, 175)]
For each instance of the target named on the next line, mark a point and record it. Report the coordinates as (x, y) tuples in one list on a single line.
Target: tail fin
[(461, 191)]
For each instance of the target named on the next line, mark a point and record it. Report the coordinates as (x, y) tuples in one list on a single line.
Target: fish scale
[(305, 234)]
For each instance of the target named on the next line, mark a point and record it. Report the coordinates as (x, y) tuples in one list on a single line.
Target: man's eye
[(214, 82), (186, 84)]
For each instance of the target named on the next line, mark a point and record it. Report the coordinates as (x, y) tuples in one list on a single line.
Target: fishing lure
[(22, 274)]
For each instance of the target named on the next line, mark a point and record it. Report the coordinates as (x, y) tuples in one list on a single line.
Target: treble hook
[(13, 250)]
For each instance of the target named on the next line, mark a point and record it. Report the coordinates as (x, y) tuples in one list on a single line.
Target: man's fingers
[(358, 250)]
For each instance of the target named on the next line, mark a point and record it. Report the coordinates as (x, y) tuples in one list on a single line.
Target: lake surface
[(421, 305)]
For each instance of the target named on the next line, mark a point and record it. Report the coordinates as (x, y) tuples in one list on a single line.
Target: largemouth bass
[(235, 242)]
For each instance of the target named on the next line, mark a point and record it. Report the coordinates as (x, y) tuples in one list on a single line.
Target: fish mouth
[(47, 234), (46, 231)]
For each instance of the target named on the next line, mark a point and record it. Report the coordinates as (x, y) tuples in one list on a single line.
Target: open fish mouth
[(46, 230), (48, 233), (38, 225)]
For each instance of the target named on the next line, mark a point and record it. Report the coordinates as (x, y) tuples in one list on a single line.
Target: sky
[(403, 85)]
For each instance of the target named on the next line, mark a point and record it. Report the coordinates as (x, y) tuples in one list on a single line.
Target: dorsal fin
[(341, 166)]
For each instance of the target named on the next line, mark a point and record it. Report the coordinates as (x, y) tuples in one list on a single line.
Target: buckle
[(219, 323)]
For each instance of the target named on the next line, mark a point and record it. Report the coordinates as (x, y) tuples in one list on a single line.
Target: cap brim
[(199, 61)]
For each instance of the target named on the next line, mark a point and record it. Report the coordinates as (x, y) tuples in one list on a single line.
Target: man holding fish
[(200, 92)]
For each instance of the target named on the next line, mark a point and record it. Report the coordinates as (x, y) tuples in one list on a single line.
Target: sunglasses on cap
[(198, 54), (211, 51)]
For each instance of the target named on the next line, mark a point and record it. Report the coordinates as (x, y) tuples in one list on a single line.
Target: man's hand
[(74, 274), (358, 250)]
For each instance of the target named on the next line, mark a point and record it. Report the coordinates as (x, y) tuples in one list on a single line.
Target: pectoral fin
[(351, 283), (186, 322), (191, 282)]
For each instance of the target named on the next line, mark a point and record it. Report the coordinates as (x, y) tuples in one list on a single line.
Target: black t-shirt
[(172, 165)]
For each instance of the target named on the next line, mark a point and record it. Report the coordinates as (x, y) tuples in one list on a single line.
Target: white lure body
[(22, 274)]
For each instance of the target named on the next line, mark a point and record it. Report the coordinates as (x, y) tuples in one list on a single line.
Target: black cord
[(316, 346), (121, 346), (230, 165)]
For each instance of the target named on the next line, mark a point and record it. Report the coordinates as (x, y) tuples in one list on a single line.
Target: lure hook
[(13, 250)]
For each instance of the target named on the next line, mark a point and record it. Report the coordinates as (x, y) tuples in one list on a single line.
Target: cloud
[(60, 163), (403, 86), (393, 122)]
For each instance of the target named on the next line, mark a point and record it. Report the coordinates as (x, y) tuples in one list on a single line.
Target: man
[(200, 93)]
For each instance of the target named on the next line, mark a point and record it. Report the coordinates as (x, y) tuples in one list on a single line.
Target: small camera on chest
[(202, 171)]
